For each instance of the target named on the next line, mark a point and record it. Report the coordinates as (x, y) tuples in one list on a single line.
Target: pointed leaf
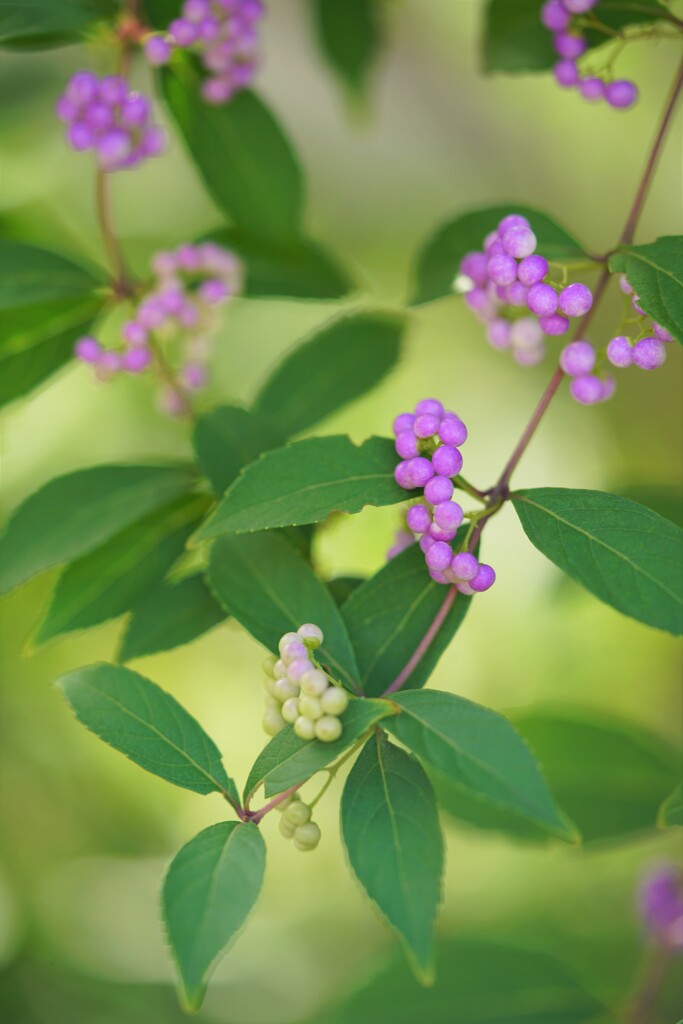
[(350, 35), (32, 277), (270, 589), (388, 615), (337, 364), (209, 891), (479, 753), (169, 615), (341, 587), (288, 760), (150, 727), (625, 554), (655, 272), (75, 514), (671, 811), (390, 829), (38, 24), (228, 438), (304, 482)]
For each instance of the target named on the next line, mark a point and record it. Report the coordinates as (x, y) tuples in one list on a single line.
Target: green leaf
[(671, 811), (209, 891), (75, 514), (336, 365), (295, 269), (390, 828), (439, 259), (288, 760), (625, 554), (349, 33), (145, 723), (270, 589), (31, 277), (341, 587), (388, 616), (479, 752), (241, 153), (304, 482), (160, 13), (170, 615), (655, 272), (37, 24), (228, 438), (108, 581), (478, 982)]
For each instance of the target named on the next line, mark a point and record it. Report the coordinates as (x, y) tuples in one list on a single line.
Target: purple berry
[(438, 490), (464, 588), (555, 16), (587, 390), (134, 333), (429, 407), (212, 292), (662, 333), (480, 302), (592, 88), (542, 300), (80, 136), (426, 425), (619, 351), (502, 269), (513, 220), (421, 470), (407, 445), (577, 358), (473, 265), (135, 110), (532, 270), (648, 353), (566, 73), (439, 555), (621, 94), (217, 90), (447, 460), (193, 376), (579, 6), (661, 906), (404, 421), (136, 359), (442, 533), (403, 476), (624, 286), (157, 51), (109, 362), (151, 313), (88, 349), (568, 45), (530, 356), (635, 302), (516, 294), (98, 116), (196, 10), (498, 334), (81, 88), (418, 518), (452, 430), (519, 242), (448, 515), (184, 33), (609, 386), (112, 90), (554, 325), (438, 577), (464, 566), (426, 543), (525, 334), (113, 149), (153, 140), (484, 579)]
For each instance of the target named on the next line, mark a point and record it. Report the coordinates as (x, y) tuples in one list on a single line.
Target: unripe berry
[(293, 650), (283, 689), (298, 813), (284, 804), (290, 710), (310, 707), (311, 635), (304, 728), (328, 729), (297, 669), (287, 828), (272, 722), (279, 669), (313, 683), (269, 666), (288, 638), (334, 701), (307, 837)]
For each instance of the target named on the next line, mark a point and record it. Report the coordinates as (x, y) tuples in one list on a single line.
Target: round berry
[(313, 683), (418, 518), (530, 356), (426, 543), (439, 555), (464, 588), (568, 45), (310, 707), (404, 421), (429, 407), (575, 300), (662, 333), (519, 242), (272, 722), (426, 425), (502, 269), (334, 701), (437, 532), (421, 470), (448, 515), (88, 349), (577, 358), (407, 445), (609, 386), (283, 689), (304, 728), (555, 16), (484, 579), (438, 489), (294, 651), (307, 837), (480, 302), (299, 668), (554, 325), (542, 299), (498, 334), (157, 51), (624, 286), (113, 90), (513, 220), (592, 88), (566, 73), (311, 635), (516, 293), (136, 360), (81, 88), (452, 430), (473, 265), (290, 710), (526, 333), (648, 353), (532, 270), (447, 460), (268, 666), (287, 828), (464, 566), (586, 390), (328, 729), (298, 813), (403, 476), (579, 6), (619, 351), (184, 33), (621, 94), (284, 804)]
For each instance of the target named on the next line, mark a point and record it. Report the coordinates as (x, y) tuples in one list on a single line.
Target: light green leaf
[(304, 482), (288, 760), (390, 829), (209, 891), (150, 727), (271, 589), (169, 615), (75, 514), (38, 24), (336, 365), (655, 272), (625, 554), (479, 753), (228, 438), (350, 34), (671, 811)]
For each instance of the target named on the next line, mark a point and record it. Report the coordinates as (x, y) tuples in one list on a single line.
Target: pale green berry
[(283, 690), (272, 702), (298, 813), (307, 837), (290, 710), (287, 828), (311, 635), (304, 728), (269, 664), (309, 707), (272, 722), (284, 804), (328, 729), (313, 683), (279, 669), (286, 639), (334, 701)]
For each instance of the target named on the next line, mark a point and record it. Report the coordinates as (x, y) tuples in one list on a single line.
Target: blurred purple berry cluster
[(179, 310), (428, 441), (103, 114), (224, 35), (562, 18), (661, 907)]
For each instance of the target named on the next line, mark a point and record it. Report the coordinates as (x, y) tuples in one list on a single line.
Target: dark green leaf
[(655, 272), (37, 24), (241, 153), (228, 438), (171, 614), (337, 364), (341, 587), (75, 514), (478, 982), (211, 886), (288, 760), (304, 482), (160, 13), (145, 723), (390, 828), (31, 277), (349, 33), (108, 581), (388, 616), (625, 554), (439, 259), (480, 753), (271, 589), (671, 811), (297, 269)]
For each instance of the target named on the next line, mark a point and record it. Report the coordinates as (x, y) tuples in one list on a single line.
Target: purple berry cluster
[(562, 18), (224, 35), (509, 276), (428, 441), (189, 284), (661, 906), (103, 114)]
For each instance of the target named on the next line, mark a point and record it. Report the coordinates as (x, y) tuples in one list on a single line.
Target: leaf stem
[(421, 649), (641, 1006)]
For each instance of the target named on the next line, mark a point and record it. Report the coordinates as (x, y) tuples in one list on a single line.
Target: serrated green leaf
[(350, 36), (170, 615), (211, 886), (288, 760), (479, 752), (337, 364), (38, 24), (655, 272), (108, 581), (138, 718), (388, 616), (439, 259), (304, 482), (74, 514), (228, 438), (671, 811), (270, 589), (625, 554), (244, 158), (390, 828), (297, 269)]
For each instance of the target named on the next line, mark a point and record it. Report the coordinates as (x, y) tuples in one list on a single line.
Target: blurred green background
[(84, 834)]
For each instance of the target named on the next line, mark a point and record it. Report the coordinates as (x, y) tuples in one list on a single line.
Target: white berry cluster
[(296, 823), (299, 692)]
